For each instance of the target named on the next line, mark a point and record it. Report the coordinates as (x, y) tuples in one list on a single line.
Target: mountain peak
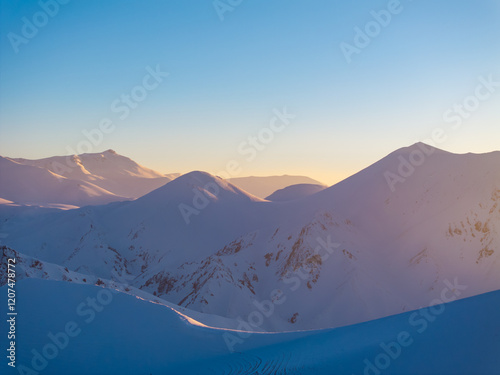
[(423, 147), (419, 147), (198, 181)]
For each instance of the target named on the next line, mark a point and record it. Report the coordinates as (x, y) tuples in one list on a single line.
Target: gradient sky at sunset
[(227, 78)]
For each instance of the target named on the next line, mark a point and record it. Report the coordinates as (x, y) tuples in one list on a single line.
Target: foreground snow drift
[(65, 328)]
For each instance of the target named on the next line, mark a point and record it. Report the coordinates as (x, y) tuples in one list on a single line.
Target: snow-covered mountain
[(376, 244), (265, 186), (108, 170), (295, 192), (26, 184)]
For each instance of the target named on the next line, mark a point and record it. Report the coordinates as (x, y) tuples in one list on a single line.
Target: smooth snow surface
[(126, 335)]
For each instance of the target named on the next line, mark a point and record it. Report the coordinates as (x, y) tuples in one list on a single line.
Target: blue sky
[(226, 77)]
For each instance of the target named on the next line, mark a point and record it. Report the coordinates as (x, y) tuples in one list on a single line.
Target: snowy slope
[(461, 337), (108, 170), (295, 192), (27, 267), (115, 333), (353, 252), (264, 186)]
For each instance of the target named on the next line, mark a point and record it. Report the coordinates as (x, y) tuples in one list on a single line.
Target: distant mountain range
[(99, 178), (379, 243)]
